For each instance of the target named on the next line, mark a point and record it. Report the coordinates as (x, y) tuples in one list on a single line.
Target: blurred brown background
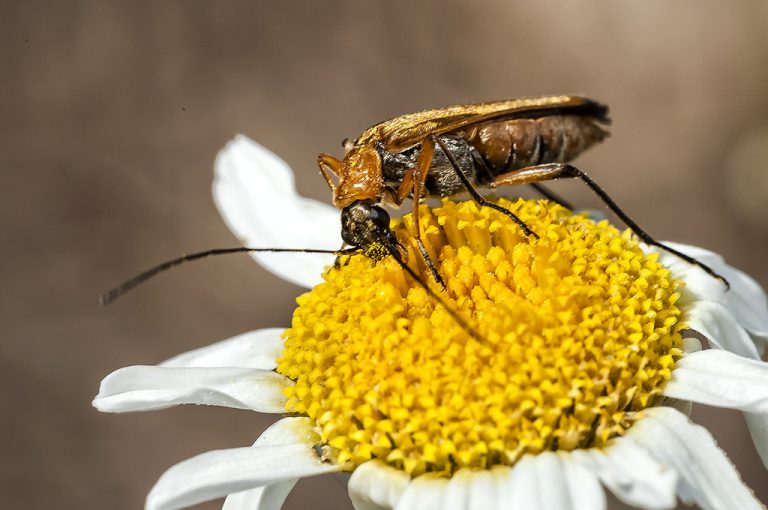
[(111, 114)]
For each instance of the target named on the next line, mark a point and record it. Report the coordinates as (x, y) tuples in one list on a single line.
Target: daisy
[(586, 356)]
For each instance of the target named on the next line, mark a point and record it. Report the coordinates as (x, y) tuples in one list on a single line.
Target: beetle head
[(365, 224)]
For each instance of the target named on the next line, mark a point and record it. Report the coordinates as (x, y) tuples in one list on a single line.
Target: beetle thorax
[(361, 177)]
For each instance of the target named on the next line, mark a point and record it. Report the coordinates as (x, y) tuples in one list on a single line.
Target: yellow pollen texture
[(576, 332)]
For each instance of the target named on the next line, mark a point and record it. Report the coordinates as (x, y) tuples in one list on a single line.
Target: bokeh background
[(111, 114)]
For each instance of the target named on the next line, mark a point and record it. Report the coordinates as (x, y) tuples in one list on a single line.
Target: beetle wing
[(402, 132)]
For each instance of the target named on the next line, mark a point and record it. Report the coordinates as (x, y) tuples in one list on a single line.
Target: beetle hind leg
[(552, 171), (538, 187)]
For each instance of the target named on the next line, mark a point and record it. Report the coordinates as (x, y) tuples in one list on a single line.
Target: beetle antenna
[(118, 291)]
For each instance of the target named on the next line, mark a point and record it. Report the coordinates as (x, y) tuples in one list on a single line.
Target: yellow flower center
[(577, 331)]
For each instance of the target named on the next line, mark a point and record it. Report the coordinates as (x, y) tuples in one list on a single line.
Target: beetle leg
[(327, 162), (406, 186), (417, 177), (554, 171), (540, 189), (340, 261), (476, 196)]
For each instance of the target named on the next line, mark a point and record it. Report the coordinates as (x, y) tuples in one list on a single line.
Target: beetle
[(457, 149), (444, 152)]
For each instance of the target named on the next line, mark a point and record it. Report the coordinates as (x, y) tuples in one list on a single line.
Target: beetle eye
[(379, 216)]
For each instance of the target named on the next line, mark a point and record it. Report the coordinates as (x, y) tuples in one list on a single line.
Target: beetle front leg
[(327, 163), (415, 179)]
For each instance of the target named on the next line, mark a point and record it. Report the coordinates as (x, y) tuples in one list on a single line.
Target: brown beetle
[(444, 152), (456, 149)]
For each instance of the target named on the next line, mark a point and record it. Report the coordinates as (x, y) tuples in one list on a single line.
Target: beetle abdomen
[(507, 145)]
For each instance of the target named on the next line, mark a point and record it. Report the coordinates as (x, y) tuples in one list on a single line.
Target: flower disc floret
[(576, 333)]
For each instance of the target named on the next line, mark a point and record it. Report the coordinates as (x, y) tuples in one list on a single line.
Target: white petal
[(702, 254), (483, 490), (760, 344), (550, 476), (723, 331), (376, 486), (691, 344), (423, 493), (565, 484), (721, 328), (290, 430), (745, 299), (271, 497), (706, 475), (583, 485), (549, 481), (255, 349), (721, 379), (215, 474), (144, 388), (758, 429), (521, 488), (470, 489), (255, 193), (267, 497), (684, 406), (456, 495), (631, 474)]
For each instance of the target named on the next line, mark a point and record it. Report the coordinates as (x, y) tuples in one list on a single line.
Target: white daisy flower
[(588, 347)]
